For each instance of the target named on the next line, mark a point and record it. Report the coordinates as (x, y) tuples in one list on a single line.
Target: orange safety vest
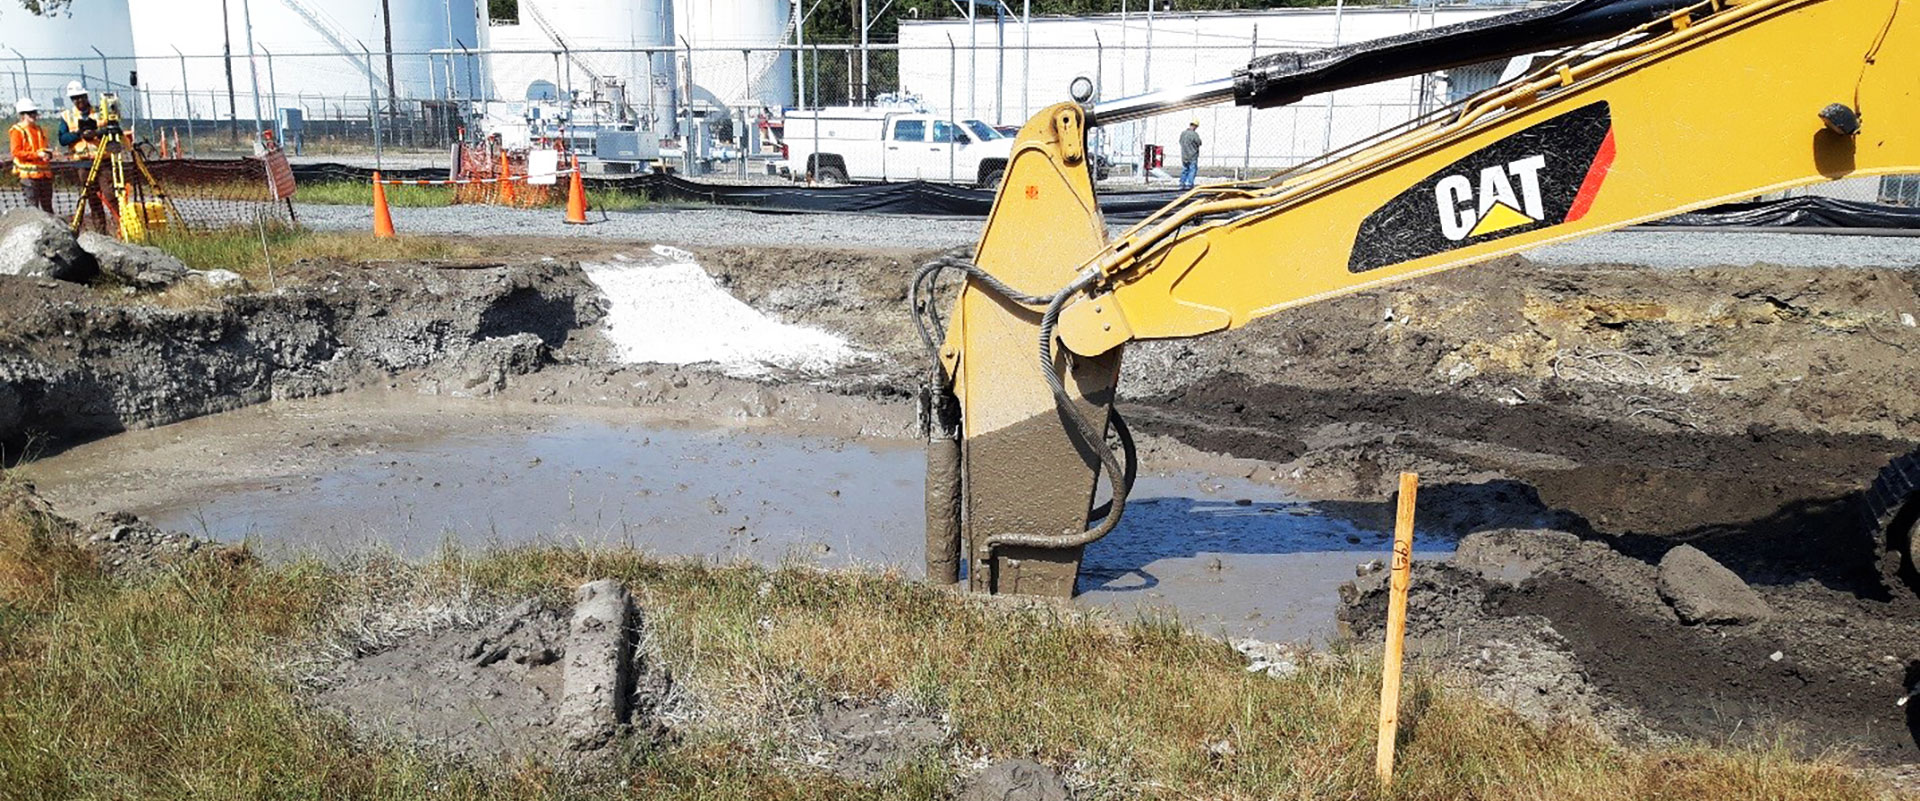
[(83, 149), (26, 140)]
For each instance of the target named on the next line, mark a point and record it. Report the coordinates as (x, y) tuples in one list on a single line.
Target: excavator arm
[(1661, 107)]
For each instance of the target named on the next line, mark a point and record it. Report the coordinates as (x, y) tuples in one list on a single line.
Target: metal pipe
[(1219, 90), (273, 94), (25, 71), (186, 95), (373, 101)]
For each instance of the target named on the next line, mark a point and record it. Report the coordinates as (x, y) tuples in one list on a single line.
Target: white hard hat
[(24, 105), (74, 89)]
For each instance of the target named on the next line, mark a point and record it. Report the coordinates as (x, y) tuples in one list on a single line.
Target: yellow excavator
[(1641, 109)]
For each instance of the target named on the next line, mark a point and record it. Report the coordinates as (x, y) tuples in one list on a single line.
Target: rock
[(1511, 556), (136, 266), (33, 242), (1016, 780), (485, 367), (596, 700), (1273, 659), (217, 279), (1701, 590)]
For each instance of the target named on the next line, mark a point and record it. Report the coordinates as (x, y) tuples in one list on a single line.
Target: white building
[(1131, 54)]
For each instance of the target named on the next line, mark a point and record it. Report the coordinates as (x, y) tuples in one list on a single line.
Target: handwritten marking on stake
[(1400, 580)]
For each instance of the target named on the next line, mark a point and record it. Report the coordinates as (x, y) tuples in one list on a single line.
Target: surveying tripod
[(114, 151)]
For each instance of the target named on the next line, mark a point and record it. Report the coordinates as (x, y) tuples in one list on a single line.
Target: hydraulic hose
[(1117, 475), (1121, 472)]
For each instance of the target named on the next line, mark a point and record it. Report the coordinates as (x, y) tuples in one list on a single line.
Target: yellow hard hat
[(1194, 123)]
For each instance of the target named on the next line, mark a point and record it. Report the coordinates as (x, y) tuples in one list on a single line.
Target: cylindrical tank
[(742, 79), (642, 29), (60, 48), (318, 55)]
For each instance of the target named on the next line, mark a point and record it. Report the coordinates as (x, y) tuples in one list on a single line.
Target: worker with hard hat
[(81, 124), (82, 128), (32, 159)]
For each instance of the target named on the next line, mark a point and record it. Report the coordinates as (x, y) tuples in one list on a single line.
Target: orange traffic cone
[(382, 218), (576, 197), (506, 179)]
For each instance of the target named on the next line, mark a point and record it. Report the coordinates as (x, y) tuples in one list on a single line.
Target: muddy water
[(1226, 554)]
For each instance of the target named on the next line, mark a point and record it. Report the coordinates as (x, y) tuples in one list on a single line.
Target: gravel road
[(734, 227), (697, 227)]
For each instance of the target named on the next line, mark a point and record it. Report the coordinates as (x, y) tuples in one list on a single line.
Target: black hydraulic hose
[(1083, 429), (1120, 474)]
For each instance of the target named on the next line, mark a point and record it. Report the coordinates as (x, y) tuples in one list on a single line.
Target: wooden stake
[(1400, 580)]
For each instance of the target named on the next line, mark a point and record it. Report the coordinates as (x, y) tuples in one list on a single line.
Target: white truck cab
[(842, 145)]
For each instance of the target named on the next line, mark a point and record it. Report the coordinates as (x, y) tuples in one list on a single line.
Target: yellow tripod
[(112, 154)]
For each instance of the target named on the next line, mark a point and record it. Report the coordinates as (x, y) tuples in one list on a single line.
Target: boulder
[(1701, 590), (33, 242), (137, 266)]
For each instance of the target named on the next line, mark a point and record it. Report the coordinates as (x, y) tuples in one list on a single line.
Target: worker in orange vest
[(32, 159)]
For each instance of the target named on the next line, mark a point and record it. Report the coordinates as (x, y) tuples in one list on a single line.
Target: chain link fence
[(728, 103)]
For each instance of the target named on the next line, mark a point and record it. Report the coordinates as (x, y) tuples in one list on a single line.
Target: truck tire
[(993, 179), (829, 175)]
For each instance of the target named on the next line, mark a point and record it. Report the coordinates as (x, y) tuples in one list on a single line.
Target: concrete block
[(597, 695)]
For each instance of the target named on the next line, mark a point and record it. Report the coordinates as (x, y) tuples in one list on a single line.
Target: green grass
[(167, 687), (356, 193), (239, 249)]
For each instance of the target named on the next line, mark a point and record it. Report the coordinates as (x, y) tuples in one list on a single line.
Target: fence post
[(1246, 150), (373, 99), (953, 84), (25, 71)]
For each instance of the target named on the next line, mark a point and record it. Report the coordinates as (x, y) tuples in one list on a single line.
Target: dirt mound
[(501, 689), (76, 364), (864, 740), (1566, 627)]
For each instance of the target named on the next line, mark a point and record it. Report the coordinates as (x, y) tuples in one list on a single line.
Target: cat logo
[(1547, 174), (1508, 197)]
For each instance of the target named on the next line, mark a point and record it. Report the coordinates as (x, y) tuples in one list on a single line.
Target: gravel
[(1688, 249), (688, 227), (734, 227)]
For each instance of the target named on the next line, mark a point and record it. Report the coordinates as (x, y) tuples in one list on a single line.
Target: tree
[(45, 8)]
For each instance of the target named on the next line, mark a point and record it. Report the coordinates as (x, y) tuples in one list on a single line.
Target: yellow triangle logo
[(1500, 218)]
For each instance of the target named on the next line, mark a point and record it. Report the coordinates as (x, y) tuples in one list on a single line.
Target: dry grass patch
[(178, 685)]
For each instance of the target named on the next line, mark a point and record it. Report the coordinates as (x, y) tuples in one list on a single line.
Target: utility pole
[(386, 22), (226, 38)]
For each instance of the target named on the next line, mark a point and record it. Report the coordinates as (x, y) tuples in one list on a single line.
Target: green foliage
[(507, 11), (45, 8)]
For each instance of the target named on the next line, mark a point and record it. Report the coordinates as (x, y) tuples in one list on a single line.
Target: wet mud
[(1608, 414)]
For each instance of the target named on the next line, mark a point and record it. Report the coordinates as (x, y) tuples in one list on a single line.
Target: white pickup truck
[(841, 145)]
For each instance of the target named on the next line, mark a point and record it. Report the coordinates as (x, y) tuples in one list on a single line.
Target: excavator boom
[(1666, 108)]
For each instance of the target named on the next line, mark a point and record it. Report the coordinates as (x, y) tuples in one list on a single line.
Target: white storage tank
[(60, 48), (308, 54), (739, 79), (641, 28)]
